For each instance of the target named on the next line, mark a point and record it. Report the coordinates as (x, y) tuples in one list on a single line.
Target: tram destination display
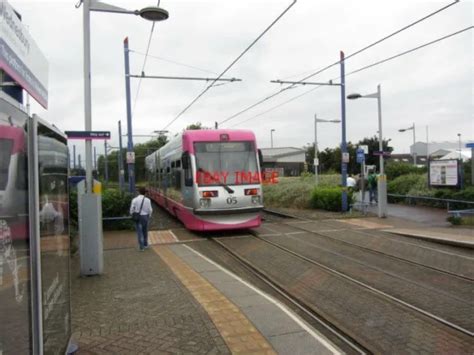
[(444, 172)]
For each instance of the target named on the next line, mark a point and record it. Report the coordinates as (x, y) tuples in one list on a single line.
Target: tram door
[(187, 180)]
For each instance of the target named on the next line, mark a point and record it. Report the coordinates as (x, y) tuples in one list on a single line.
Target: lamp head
[(153, 13), (354, 96), (401, 130)]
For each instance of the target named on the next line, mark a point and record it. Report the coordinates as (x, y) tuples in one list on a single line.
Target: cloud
[(430, 87)]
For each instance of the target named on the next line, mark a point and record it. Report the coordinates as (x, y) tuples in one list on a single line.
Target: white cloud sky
[(431, 87)]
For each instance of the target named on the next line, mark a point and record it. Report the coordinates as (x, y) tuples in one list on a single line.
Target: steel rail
[(301, 305), (375, 251), (373, 289)]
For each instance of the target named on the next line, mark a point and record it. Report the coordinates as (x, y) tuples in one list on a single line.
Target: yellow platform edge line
[(237, 331)]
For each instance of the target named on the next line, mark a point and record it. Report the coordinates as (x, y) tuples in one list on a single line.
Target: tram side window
[(188, 172)]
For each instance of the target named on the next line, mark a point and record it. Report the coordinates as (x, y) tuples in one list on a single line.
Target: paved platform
[(452, 236), (171, 299)]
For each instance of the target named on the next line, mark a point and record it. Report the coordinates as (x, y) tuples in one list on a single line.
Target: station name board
[(20, 57), (87, 135)]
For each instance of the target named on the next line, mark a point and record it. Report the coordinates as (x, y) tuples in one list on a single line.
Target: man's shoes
[(141, 249), (147, 246)]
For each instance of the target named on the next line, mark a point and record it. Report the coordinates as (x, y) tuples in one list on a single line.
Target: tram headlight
[(205, 202), (256, 200)]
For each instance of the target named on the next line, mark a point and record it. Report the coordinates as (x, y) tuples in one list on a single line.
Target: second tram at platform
[(209, 179)]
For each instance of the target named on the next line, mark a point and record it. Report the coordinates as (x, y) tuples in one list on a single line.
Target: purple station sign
[(20, 57)]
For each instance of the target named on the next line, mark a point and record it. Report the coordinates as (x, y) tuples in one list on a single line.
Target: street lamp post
[(460, 147), (148, 13), (316, 160), (271, 137), (90, 204), (412, 128), (382, 181)]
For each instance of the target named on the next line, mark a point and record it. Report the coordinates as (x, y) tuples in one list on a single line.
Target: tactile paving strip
[(237, 331)]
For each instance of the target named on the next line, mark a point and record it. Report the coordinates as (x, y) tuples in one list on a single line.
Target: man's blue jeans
[(142, 231)]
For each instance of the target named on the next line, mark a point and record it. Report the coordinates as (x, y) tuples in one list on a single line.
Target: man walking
[(142, 206)]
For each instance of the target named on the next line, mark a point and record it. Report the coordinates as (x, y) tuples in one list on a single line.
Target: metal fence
[(436, 202)]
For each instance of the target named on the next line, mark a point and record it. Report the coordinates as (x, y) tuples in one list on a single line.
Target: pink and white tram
[(208, 179)]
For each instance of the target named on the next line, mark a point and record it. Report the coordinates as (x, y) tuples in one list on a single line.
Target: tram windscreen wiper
[(227, 188)]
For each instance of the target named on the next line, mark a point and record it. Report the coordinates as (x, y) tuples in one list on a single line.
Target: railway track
[(381, 308), (445, 251), (300, 305)]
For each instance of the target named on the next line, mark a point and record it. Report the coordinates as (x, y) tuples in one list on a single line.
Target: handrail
[(442, 200), (116, 218), (433, 199)]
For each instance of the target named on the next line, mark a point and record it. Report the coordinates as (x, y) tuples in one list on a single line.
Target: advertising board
[(20, 57), (444, 172), (15, 252)]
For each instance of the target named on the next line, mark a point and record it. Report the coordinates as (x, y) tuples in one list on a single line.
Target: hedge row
[(417, 185), (328, 198), (114, 204)]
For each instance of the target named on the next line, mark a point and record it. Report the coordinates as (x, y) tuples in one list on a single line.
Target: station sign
[(345, 157), (444, 172), (130, 157), (365, 148), (88, 135), (360, 155), (20, 57), (470, 145), (385, 154)]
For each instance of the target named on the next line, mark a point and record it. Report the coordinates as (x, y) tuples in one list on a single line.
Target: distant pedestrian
[(141, 205), (351, 183), (372, 183), (361, 184)]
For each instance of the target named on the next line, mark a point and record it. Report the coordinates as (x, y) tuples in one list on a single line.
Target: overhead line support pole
[(131, 166), (343, 143)]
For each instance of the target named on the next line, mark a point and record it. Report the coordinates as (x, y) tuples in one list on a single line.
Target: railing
[(412, 200), (117, 218)]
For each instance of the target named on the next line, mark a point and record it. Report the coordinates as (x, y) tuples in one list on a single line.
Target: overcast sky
[(431, 87)]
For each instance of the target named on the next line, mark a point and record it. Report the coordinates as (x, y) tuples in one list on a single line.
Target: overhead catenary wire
[(319, 71), (277, 106), (230, 65), (362, 69), (144, 61), (174, 62)]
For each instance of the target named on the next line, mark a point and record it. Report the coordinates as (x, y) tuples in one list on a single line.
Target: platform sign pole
[(120, 158), (382, 181)]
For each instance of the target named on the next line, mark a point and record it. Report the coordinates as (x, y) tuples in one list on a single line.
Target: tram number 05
[(231, 200)]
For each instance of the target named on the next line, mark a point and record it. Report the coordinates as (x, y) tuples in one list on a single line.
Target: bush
[(114, 204), (454, 220), (289, 192), (328, 198), (403, 184), (295, 192), (396, 169)]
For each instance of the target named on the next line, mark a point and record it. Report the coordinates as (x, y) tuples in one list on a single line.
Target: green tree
[(194, 126), (330, 158), (373, 143), (141, 151)]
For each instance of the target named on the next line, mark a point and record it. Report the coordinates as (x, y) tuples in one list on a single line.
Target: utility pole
[(74, 156), (105, 162), (344, 201)]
